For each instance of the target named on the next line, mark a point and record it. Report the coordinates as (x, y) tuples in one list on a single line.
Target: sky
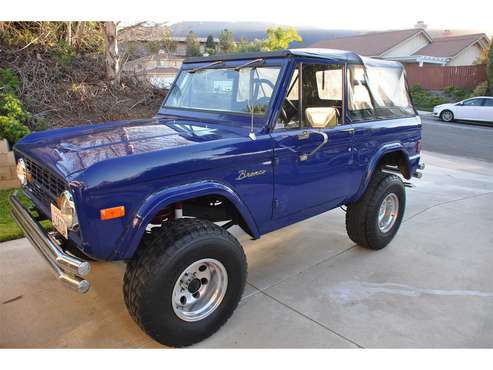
[(475, 15)]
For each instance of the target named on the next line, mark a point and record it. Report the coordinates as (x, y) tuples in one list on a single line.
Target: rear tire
[(373, 221), (164, 290), (447, 116)]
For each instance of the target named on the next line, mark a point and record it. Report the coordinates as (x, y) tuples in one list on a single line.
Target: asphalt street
[(458, 139)]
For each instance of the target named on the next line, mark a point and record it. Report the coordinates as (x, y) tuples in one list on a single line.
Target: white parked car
[(479, 108)]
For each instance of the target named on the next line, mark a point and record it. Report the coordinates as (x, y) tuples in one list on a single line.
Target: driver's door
[(312, 165), (469, 109)]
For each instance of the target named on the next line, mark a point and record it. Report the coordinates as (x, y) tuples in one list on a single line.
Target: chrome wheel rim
[(388, 212), (199, 289), (447, 116)]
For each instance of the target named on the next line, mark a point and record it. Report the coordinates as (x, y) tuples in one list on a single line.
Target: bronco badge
[(244, 174)]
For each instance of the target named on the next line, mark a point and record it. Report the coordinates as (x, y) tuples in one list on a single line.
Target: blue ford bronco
[(259, 140)]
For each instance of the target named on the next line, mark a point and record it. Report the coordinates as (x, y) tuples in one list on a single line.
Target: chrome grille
[(45, 186)]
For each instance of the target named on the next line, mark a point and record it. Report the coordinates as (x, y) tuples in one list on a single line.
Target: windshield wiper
[(247, 64), (206, 66)]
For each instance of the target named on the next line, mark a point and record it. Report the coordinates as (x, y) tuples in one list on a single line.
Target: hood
[(72, 150)]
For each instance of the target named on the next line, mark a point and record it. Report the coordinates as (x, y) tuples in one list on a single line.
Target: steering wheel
[(291, 104)]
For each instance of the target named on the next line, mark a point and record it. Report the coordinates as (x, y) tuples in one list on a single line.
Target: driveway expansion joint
[(444, 203), (309, 318)]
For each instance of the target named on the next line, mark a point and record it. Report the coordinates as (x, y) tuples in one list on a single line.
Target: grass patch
[(8, 227)]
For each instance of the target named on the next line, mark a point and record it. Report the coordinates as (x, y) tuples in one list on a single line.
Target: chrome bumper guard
[(421, 167), (68, 269)]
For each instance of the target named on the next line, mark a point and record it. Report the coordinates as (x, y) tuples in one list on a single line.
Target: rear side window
[(378, 93), (389, 92)]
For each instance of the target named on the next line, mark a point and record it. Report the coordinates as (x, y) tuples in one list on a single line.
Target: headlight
[(67, 208), (21, 171)]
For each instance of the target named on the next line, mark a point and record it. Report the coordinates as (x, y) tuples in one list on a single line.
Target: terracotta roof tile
[(448, 46), (369, 44)]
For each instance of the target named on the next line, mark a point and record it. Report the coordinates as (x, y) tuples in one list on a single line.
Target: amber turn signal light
[(114, 212)]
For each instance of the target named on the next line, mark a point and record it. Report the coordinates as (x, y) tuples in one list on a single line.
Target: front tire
[(373, 221), (447, 116), (185, 281)]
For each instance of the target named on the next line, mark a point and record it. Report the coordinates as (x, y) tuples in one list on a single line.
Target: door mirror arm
[(306, 134)]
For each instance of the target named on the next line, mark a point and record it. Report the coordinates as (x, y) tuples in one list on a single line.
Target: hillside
[(252, 30), (62, 86)]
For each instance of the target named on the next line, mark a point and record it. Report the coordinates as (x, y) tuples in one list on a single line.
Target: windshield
[(224, 89)]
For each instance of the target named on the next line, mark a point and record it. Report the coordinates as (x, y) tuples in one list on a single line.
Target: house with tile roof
[(413, 45)]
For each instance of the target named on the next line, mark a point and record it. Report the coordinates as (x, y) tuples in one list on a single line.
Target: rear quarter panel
[(374, 139)]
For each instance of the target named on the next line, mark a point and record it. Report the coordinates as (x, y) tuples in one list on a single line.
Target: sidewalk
[(308, 284)]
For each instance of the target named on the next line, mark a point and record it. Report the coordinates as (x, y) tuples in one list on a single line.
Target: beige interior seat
[(322, 117), (361, 98)]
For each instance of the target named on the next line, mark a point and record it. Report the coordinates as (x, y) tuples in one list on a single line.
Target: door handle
[(305, 156)]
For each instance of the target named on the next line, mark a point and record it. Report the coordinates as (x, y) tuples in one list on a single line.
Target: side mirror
[(322, 117), (460, 103)]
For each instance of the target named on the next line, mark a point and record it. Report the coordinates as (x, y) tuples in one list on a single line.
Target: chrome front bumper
[(68, 269)]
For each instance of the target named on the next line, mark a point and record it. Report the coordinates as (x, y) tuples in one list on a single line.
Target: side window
[(360, 104), (329, 84), (488, 102), (289, 117), (472, 103), (321, 97)]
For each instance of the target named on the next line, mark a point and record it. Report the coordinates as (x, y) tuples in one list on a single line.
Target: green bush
[(425, 100), (456, 93), (11, 129), (12, 114), (480, 90), (9, 81), (62, 53)]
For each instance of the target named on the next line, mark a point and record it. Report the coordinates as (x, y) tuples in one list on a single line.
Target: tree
[(79, 32), (226, 41), (169, 44), (489, 71), (193, 45), (210, 44), (247, 46), (68, 36), (111, 56), (280, 38)]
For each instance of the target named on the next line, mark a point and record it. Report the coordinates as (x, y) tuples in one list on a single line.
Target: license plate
[(58, 222)]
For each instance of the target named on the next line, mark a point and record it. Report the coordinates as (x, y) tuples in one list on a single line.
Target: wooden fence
[(434, 77)]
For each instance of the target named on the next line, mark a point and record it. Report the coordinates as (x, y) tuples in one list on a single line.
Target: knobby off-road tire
[(158, 268), (362, 217)]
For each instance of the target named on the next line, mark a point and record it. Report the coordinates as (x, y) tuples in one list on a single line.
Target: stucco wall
[(8, 176), (467, 56), (408, 47)]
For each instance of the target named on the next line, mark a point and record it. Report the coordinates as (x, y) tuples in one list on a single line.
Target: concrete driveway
[(308, 284)]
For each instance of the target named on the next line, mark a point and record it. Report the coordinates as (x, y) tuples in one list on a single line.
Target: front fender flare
[(159, 200)]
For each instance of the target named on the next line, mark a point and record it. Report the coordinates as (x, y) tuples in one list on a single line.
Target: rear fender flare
[(372, 164)]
